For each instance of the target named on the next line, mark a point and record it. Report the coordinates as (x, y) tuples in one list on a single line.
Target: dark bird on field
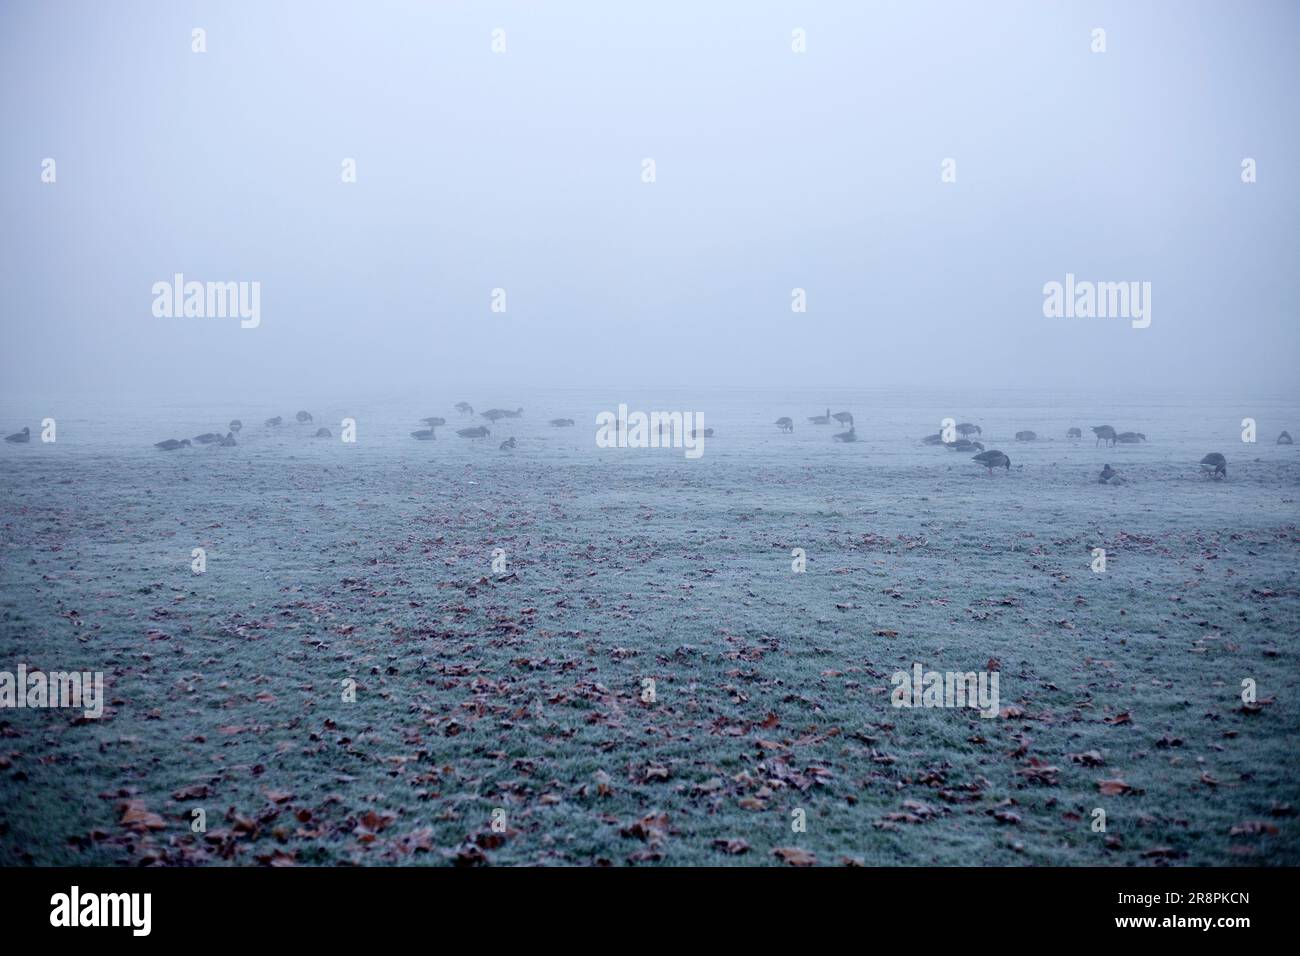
[(424, 434), (821, 419), (272, 422), (1130, 438), (1107, 474), (935, 439), (966, 428), (495, 414), (322, 433), (1026, 436), (171, 444), (434, 421), (993, 459), (964, 444), (785, 424), (478, 431), (844, 418), (562, 422), (207, 438), (1215, 465), (1103, 433), (303, 417), (20, 437), (1074, 433), (1284, 438), (465, 408), (228, 441), (849, 436), (235, 425), (507, 444)]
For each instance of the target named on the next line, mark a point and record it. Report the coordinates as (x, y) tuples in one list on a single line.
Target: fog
[(523, 171)]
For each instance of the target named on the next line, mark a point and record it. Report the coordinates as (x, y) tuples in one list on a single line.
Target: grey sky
[(523, 170)]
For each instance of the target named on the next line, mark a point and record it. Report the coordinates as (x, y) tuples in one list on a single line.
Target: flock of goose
[(1214, 464)]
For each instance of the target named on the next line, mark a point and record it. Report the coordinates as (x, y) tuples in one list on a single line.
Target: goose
[(273, 422), (1130, 438), (517, 413), (424, 434), (964, 444), (434, 421), (1103, 433), (465, 408), (207, 438), (507, 444), (303, 417), (235, 425), (171, 444), (935, 439), (478, 431), (1215, 465), (1284, 438), (966, 428), (1026, 436), (561, 422), (785, 423), (1107, 474), (844, 418), (322, 433), (821, 419), (1074, 434), (494, 414), (21, 437), (849, 436), (993, 459), (228, 441)]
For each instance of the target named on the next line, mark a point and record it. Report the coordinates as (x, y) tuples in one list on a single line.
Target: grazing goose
[(207, 438), (273, 422), (966, 428), (993, 459), (935, 439), (1074, 434), (478, 431), (1215, 465), (844, 418), (434, 421), (1026, 436), (964, 444), (507, 444), (424, 434), (561, 422), (1107, 474), (1130, 438), (517, 413), (228, 441), (494, 414), (171, 444), (322, 433), (20, 437), (785, 424), (849, 436), (1284, 438), (465, 408), (303, 417), (821, 419), (235, 425), (1103, 433)]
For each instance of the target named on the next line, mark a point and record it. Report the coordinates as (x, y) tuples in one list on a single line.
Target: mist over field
[(338, 346)]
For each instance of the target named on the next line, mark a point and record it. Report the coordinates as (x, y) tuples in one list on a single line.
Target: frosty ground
[(522, 691)]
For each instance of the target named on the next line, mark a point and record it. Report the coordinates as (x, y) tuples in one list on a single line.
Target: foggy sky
[(522, 171)]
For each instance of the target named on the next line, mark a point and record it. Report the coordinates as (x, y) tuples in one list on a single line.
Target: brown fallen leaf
[(795, 856), (732, 847), (1113, 788)]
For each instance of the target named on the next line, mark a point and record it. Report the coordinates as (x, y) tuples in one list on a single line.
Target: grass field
[(522, 691)]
